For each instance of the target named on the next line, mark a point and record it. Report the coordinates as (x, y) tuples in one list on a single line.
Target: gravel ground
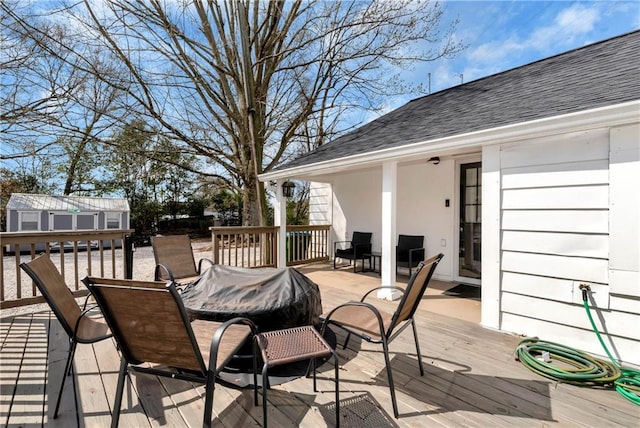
[(143, 267)]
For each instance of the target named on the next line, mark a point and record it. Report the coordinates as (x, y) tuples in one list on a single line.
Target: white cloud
[(576, 20), (569, 23), (495, 50)]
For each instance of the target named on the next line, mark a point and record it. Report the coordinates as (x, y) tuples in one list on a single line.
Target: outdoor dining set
[(192, 322)]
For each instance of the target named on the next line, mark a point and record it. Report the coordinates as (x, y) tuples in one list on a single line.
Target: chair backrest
[(415, 290), (149, 322), (407, 242), (361, 238), (54, 290), (175, 253)]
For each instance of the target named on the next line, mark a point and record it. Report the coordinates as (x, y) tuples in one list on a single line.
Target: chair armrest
[(217, 337), (204, 261), (335, 244), (86, 300), (84, 314), (159, 268), (392, 287), (415, 250)]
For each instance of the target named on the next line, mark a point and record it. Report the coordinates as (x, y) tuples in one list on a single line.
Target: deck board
[(471, 379)]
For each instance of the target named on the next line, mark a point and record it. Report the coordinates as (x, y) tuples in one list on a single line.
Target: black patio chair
[(409, 251), (359, 245)]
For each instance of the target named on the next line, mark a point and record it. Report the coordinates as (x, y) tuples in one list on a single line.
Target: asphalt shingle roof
[(598, 75)]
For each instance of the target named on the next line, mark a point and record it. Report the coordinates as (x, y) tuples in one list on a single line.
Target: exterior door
[(470, 218)]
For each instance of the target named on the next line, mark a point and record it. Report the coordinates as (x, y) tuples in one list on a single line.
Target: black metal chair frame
[(359, 248), (401, 319)]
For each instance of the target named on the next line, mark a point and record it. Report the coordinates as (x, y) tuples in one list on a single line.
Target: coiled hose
[(579, 368)]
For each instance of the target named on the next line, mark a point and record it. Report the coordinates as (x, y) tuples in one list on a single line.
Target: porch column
[(280, 220), (388, 262)]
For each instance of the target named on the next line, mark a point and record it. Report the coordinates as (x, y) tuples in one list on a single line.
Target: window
[(29, 220), (86, 221), (112, 220)]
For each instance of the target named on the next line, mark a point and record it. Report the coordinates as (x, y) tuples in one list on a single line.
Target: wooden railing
[(105, 253), (255, 246)]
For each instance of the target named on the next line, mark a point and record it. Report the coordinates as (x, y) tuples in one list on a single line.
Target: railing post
[(128, 256), (215, 248)]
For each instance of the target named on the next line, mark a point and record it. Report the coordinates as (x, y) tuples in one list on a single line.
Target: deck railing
[(105, 253), (255, 246)]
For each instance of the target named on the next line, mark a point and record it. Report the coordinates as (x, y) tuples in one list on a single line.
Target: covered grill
[(271, 298)]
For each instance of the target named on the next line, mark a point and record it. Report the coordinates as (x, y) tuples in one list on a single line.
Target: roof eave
[(615, 115)]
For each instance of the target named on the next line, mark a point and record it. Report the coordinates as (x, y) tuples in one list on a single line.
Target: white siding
[(319, 203), (625, 206), (570, 215)]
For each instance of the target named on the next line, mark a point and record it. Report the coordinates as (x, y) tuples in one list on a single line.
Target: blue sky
[(501, 35)]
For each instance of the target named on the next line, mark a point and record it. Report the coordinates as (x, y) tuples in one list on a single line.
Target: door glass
[(470, 220)]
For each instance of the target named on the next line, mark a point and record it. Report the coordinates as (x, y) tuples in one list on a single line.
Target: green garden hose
[(579, 368)]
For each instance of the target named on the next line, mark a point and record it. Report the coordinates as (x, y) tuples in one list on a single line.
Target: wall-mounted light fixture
[(434, 160), (288, 188)]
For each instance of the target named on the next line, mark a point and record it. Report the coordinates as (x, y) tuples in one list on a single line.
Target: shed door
[(470, 221)]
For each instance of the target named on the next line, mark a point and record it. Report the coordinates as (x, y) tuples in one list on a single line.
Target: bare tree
[(54, 106), (243, 84)]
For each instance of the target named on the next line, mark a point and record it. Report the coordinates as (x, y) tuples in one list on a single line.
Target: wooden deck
[(471, 380)]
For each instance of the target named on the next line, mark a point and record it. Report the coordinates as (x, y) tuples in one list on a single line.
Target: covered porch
[(471, 378)]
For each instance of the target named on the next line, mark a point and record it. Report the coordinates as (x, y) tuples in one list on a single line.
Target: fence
[(108, 253), (75, 254), (255, 246)]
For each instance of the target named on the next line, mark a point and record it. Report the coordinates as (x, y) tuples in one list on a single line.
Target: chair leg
[(336, 369), (255, 373), (346, 341), (390, 376), (67, 370), (210, 387), (313, 365), (415, 336), (265, 382), (119, 391)]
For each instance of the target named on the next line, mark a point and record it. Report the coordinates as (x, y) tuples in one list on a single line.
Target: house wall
[(357, 197), (320, 203), (421, 209), (569, 216), (422, 191)]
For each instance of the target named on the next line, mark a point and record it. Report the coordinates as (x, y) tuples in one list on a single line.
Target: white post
[(491, 201), (280, 219), (388, 238)]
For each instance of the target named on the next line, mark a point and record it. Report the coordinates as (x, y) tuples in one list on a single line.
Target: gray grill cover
[(272, 298)]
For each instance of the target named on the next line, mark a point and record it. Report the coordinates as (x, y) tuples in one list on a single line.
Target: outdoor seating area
[(470, 375)]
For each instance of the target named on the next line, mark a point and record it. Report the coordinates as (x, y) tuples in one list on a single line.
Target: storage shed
[(33, 212)]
